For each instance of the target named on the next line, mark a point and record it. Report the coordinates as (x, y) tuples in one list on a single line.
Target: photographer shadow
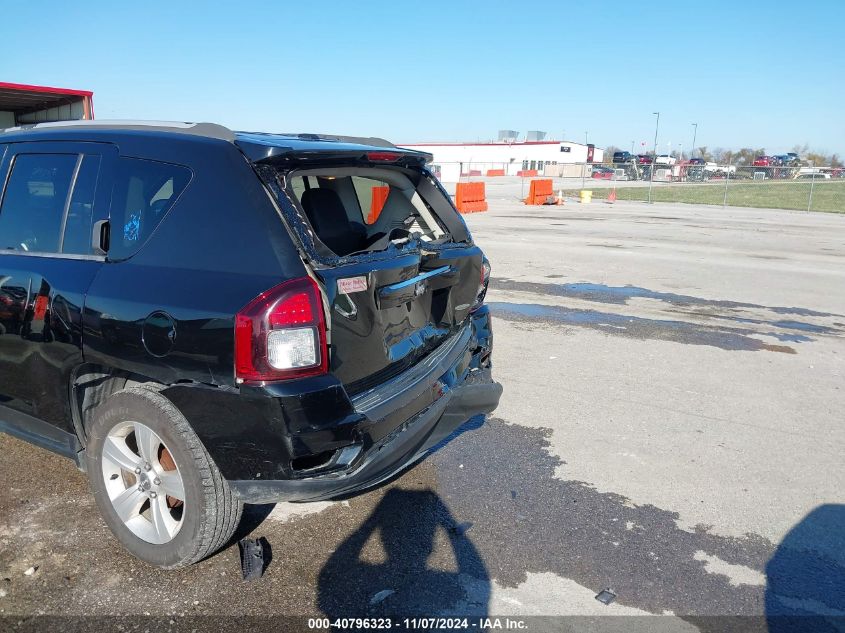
[(385, 567), (805, 578)]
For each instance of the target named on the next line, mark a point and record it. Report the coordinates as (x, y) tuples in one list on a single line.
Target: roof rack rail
[(212, 130)]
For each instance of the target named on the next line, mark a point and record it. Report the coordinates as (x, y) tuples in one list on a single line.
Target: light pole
[(632, 148), (584, 166), (694, 133), (654, 156)]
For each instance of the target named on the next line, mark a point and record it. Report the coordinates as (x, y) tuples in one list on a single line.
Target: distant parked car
[(696, 161), (622, 157), (787, 160), (665, 159), (694, 172), (764, 161), (816, 176), (602, 173), (644, 159), (719, 169)]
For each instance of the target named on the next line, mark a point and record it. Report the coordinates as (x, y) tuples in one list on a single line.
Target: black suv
[(202, 318), (623, 157)]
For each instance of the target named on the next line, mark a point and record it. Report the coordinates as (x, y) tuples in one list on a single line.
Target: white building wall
[(67, 112), (455, 159)]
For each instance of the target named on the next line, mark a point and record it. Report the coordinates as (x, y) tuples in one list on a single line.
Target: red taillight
[(383, 157), (293, 310), (281, 334)]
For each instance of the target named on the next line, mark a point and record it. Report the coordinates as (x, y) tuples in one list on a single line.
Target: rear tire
[(142, 456)]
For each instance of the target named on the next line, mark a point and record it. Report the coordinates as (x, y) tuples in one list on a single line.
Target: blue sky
[(750, 74)]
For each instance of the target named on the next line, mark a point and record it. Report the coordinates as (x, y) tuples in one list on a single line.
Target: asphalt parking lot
[(671, 428)]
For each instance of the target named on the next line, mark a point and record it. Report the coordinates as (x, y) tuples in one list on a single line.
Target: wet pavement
[(639, 447)]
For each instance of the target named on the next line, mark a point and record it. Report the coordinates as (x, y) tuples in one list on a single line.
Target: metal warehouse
[(506, 157), (21, 104)]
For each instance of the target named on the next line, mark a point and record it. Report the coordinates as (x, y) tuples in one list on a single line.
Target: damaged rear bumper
[(409, 443), (307, 440)]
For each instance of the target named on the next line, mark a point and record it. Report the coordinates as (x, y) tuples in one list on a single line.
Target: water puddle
[(621, 295), (727, 338)]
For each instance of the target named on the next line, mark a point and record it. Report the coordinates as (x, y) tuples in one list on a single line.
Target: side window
[(297, 184), (144, 191), (372, 194), (80, 213), (33, 205)]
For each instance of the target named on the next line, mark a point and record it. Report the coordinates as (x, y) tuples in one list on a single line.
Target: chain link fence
[(794, 185)]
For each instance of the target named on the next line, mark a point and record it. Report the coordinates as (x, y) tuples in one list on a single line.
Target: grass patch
[(827, 196)]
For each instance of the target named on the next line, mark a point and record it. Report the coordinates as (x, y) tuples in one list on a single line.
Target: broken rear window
[(358, 209)]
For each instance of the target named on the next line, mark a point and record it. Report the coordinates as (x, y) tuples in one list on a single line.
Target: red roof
[(45, 89)]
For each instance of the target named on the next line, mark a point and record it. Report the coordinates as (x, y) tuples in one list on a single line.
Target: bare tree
[(746, 155), (801, 150), (815, 158)]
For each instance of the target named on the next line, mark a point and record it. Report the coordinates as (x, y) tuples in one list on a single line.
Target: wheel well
[(94, 384)]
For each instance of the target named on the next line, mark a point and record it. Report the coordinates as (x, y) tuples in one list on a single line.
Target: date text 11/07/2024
[(416, 624)]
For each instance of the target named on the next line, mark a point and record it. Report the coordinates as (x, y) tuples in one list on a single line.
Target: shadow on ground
[(467, 527), (383, 569), (806, 576), (526, 520)]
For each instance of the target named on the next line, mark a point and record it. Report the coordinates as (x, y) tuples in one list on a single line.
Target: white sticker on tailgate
[(351, 284)]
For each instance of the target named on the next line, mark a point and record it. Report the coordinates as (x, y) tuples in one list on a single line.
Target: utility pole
[(654, 156), (694, 133), (584, 166)]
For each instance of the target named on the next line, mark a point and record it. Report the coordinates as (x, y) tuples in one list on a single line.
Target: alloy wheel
[(143, 482)]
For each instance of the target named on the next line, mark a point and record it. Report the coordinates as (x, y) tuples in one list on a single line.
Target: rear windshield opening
[(360, 209)]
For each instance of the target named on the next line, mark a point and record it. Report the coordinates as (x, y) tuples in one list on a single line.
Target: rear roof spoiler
[(281, 148)]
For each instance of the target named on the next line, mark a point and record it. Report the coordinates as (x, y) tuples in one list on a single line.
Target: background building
[(21, 104), (454, 160)]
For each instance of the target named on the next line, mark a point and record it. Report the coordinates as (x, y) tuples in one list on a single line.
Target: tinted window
[(34, 202), (79, 224), (144, 191)]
